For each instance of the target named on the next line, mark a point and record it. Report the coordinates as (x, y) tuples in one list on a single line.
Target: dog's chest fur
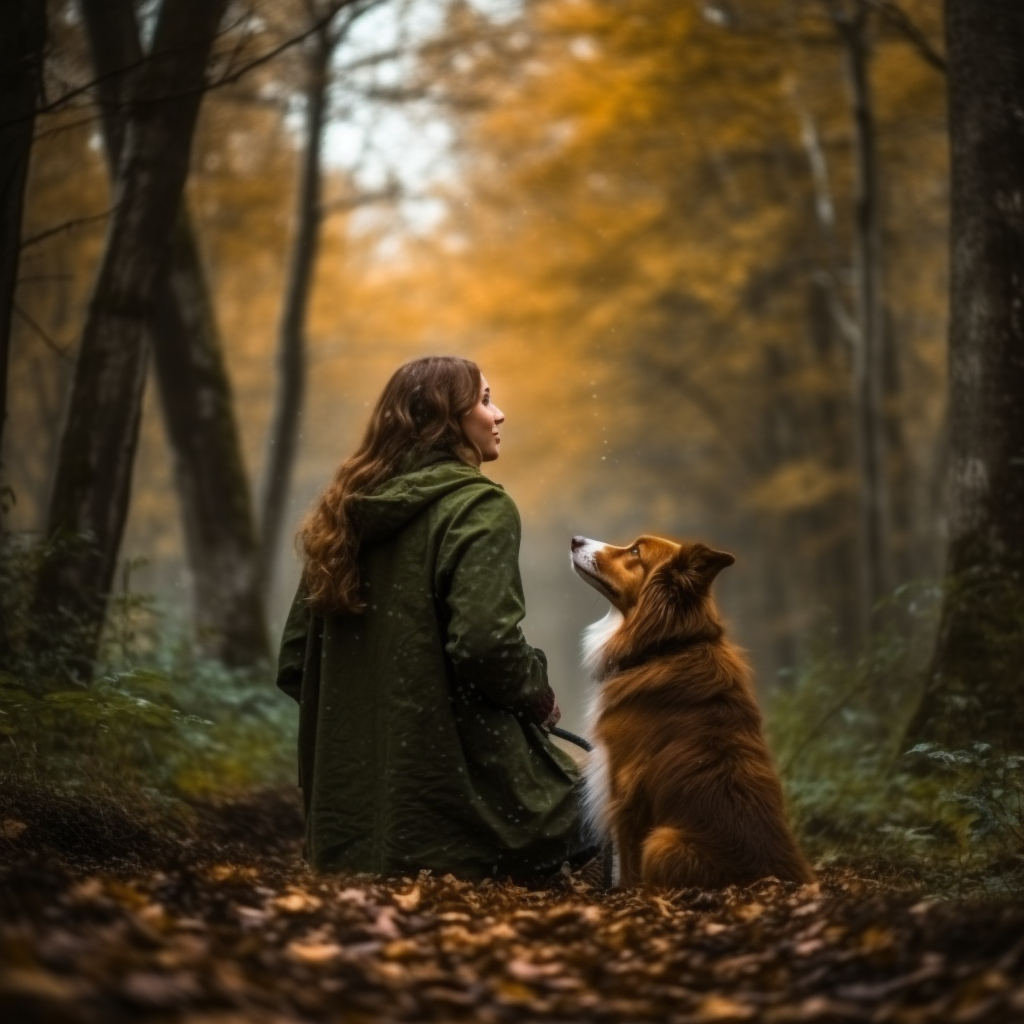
[(596, 773)]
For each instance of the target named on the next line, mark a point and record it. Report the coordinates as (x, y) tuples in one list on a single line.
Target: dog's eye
[(635, 551)]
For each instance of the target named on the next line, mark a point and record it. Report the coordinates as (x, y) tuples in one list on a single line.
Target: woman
[(422, 706)]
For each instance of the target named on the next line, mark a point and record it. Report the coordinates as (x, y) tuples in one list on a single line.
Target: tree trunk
[(834, 336), (212, 483), (834, 522), (93, 478), (21, 67), (902, 537), (974, 687), (284, 433), (869, 361), (195, 395)]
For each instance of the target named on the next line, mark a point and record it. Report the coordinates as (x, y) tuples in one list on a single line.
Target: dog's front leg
[(628, 851), (609, 863)]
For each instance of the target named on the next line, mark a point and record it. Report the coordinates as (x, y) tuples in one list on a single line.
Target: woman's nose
[(499, 416)]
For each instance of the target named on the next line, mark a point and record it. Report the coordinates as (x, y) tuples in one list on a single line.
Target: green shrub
[(156, 718), (857, 794)]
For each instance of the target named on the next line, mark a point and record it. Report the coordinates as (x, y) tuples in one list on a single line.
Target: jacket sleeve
[(293, 647), (478, 566)]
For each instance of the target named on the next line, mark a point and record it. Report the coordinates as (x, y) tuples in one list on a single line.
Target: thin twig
[(43, 278), (227, 79), (390, 192), (244, 35), (814, 731), (900, 20), (275, 51), (68, 225), (47, 340)]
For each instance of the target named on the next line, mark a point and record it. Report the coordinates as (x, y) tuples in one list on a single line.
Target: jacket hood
[(378, 515)]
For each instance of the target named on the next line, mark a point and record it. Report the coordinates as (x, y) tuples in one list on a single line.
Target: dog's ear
[(714, 562), (704, 562), (673, 603)]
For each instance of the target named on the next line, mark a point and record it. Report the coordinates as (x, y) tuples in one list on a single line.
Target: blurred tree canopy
[(700, 249), (667, 196)]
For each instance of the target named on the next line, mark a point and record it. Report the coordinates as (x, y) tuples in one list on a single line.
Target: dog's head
[(661, 588)]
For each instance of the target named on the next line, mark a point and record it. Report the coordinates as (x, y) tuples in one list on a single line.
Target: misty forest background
[(701, 250)]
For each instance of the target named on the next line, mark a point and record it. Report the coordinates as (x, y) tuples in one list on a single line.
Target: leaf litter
[(223, 925)]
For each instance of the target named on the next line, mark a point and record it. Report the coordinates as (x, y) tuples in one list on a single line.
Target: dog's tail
[(668, 861)]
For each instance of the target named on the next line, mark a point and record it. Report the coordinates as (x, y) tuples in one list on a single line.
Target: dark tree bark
[(902, 545), (284, 431), (834, 522), (213, 487), (975, 686), (21, 68), (195, 393), (330, 21), (834, 337), (869, 361), (93, 477)]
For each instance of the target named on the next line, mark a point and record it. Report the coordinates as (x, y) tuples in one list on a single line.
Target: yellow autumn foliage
[(636, 247)]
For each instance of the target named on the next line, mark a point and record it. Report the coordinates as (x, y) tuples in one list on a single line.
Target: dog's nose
[(578, 542)]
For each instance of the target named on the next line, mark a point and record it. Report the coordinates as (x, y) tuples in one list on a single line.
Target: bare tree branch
[(848, 328), (65, 99), (825, 211), (900, 20), (39, 278), (67, 225), (390, 192), (70, 126), (39, 330)]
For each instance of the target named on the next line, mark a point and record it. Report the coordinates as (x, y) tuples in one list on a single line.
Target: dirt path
[(249, 936)]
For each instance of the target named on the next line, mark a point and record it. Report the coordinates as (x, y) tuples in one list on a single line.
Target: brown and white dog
[(680, 776)]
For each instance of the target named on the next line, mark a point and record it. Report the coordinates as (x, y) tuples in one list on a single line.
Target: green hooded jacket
[(418, 742)]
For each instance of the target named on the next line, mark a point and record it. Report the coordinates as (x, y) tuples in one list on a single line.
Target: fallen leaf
[(449, 996), (384, 924), (514, 992), (664, 907), (153, 914), (350, 895), (716, 1007), (408, 900), (528, 971), (807, 908), (401, 949), (298, 902), (808, 948), (39, 984), (89, 890), (314, 952), (750, 911), (232, 873), (876, 938), (162, 991), (252, 917)]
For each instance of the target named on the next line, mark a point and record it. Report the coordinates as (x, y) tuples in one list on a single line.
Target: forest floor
[(106, 918)]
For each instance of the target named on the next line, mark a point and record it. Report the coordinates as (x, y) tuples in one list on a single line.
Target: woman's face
[(480, 424)]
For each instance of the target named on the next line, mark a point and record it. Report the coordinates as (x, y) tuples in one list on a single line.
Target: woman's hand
[(544, 709), (553, 718)]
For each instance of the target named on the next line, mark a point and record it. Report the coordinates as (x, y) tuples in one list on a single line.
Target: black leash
[(564, 734)]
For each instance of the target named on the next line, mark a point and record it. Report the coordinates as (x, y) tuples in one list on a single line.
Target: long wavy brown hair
[(420, 409)]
